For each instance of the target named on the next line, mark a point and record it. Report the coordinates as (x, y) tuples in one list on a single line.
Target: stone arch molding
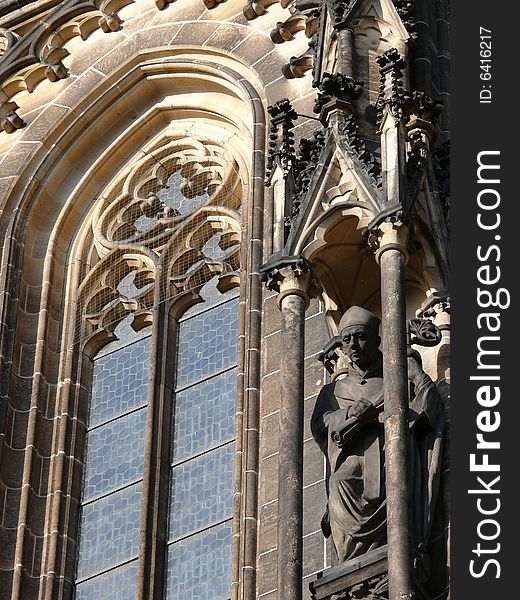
[(72, 210), (46, 53)]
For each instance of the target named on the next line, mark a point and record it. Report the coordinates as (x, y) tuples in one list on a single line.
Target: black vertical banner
[(485, 258)]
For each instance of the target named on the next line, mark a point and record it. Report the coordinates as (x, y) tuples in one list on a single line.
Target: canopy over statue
[(348, 426)]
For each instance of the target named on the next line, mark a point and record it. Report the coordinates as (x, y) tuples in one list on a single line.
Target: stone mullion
[(245, 520), (67, 457), (158, 439), (66, 470), (239, 442)]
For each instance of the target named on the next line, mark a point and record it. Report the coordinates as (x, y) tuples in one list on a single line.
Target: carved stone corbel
[(304, 17), (110, 22), (10, 121), (299, 65), (56, 71), (256, 8)]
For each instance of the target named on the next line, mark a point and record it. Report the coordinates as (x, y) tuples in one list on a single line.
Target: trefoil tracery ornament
[(176, 211)]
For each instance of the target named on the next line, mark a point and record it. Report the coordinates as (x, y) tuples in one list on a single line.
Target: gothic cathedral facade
[(192, 195)]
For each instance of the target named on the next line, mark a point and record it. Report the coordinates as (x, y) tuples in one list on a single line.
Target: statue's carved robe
[(356, 478)]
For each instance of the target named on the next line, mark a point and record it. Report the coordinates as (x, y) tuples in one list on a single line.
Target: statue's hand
[(363, 410)]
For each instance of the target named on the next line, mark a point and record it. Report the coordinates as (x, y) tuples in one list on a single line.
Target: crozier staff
[(347, 424)]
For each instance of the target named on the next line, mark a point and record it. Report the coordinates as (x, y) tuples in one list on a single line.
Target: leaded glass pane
[(117, 584), (120, 382), (109, 531), (200, 566), (212, 249), (173, 197), (115, 454), (208, 342), (202, 491), (205, 415)]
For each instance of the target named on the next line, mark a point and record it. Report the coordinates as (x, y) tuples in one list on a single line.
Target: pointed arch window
[(166, 232)]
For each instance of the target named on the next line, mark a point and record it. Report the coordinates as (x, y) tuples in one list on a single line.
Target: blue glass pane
[(120, 382), (109, 531), (202, 491), (172, 196), (115, 454), (208, 342), (211, 249), (204, 415), (200, 566), (125, 335), (118, 584)]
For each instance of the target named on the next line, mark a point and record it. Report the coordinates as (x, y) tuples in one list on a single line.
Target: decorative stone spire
[(281, 137), (339, 11), (391, 91), (342, 87)]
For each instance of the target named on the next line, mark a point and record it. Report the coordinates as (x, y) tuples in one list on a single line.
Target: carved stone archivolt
[(176, 210), (27, 61)]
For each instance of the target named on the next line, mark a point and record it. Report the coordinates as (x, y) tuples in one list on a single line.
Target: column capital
[(391, 234), (290, 275)]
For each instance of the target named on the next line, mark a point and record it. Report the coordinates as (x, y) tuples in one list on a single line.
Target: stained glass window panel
[(113, 471), (204, 415), (202, 491), (120, 382), (208, 342), (115, 454), (109, 531), (117, 584), (201, 496), (200, 565)]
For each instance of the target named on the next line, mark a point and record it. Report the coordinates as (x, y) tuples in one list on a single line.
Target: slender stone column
[(346, 51), (292, 279), (392, 258)]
